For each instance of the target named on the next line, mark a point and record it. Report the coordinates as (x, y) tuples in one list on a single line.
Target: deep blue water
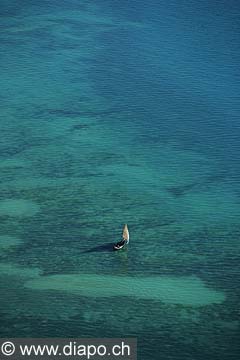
[(114, 112)]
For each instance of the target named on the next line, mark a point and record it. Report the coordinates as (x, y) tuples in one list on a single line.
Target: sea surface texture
[(117, 112)]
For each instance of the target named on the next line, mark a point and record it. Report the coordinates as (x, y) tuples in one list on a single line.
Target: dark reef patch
[(79, 127), (74, 113), (178, 191)]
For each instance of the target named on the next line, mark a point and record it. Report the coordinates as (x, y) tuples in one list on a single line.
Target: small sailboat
[(124, 241)]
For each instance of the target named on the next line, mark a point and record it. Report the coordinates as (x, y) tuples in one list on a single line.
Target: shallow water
[(115, 112)]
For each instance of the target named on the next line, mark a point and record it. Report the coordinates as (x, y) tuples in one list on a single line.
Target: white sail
[(125, 234)]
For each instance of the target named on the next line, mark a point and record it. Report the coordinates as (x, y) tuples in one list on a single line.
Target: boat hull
[(116, 247)]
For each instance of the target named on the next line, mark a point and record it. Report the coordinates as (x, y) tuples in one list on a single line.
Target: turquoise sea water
[(113, 112)]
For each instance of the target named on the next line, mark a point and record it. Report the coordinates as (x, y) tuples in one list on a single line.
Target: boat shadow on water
[(100, 248)]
